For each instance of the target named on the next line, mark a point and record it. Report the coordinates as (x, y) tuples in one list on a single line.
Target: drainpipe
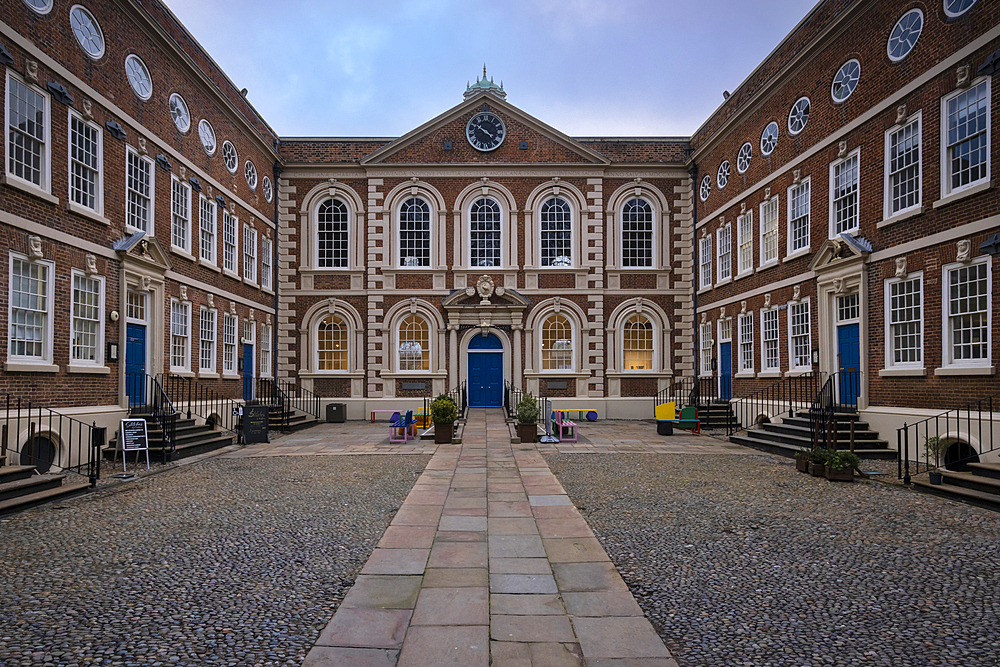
[(275, 254)]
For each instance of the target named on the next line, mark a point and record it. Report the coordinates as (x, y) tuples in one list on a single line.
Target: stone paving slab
[(489, 563)]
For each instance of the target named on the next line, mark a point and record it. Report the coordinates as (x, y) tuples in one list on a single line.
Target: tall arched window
[(637, 233), (332, 234), (556, 228), (637, 339), (414, 344), (331, 344), (414, 233), (557, 344), (484, 233)]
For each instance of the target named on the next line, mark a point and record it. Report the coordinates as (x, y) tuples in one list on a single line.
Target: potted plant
[(840, 466), (444, 412), (935, 446), (527, 419), (802, 461), (817, 462)]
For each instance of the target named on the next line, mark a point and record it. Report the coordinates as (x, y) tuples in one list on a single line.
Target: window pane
[(415, 233), (556, 230), (637, 233), (557, 344), (331, 344), (332, 230), (638, 343), (484, 233), (414, 349)]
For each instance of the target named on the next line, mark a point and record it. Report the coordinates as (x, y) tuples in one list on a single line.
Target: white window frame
[(176, 185), (98, 207), (946, 188), (349, 223), (745, 355), (502, 231), (947, 358), (792, 366), (706, 348), (186, 366), (47, 324), (887, 211), (45, 173), (427, 240), (230, 366), (212, 247), (98, 360), (744, 241), (230, 251), (705, 262), (889, 338), (855, 154), (654, 260), (214, 315), (790, 250), (654, 335), (266, 250), (724, 254), (765, 315), (249, 255), (574, 338), (765, 227), (345, 325), (265, 351), (397, 330), (150, 227)]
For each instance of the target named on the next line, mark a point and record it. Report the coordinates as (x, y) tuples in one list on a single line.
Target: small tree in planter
[(935, 446), (817, 462), (840, 466), (527, 419), (444, 412)]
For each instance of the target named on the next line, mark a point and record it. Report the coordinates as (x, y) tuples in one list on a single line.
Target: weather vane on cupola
[(485, 85)]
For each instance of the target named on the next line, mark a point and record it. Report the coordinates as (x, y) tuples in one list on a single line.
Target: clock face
[(485, 131)]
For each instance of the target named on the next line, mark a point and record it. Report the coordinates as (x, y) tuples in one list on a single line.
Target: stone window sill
[(965, 370), (96, 370)]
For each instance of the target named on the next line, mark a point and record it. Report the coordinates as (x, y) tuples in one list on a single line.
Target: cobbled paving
[(227, 562), (740, 561)]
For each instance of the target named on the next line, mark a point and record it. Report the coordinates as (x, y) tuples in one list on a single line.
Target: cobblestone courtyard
[(736, 559)]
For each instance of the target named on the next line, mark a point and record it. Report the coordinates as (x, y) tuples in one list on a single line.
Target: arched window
[(331, 344), (556, 229), (637, 233), (414, 344), (414, 233), (557, 344), (637, 344), (484, 233), (332, 232)]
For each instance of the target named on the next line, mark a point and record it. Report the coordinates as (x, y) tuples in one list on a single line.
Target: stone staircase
[(792, 435), (717, 415), (191, 438), (297, 420), (974, 483), (22, 487)]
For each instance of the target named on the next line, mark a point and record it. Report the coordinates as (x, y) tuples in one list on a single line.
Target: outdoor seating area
[(667, 419)]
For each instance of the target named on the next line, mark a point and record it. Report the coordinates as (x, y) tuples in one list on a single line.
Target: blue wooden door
[(725, 371), (485, 372), (247, 372), (135, 363), (849, 354)]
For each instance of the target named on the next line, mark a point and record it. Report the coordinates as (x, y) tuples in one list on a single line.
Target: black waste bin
[(336, 413)]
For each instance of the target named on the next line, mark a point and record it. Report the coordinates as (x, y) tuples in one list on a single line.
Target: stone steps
[(794, 434), (978, 485), (21, 487)]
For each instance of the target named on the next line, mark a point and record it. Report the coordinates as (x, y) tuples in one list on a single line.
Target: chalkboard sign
[(255, 419), (134, 435)]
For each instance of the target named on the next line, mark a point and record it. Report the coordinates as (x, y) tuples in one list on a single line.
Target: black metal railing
[(51, 439), (191, 397), (146, 398), (511, 397), (287, 396), (781, 398), (459, 394), (838, 396), (945, 439), (686, 391)]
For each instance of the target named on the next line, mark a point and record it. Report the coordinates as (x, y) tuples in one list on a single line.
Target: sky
[(585, 67)]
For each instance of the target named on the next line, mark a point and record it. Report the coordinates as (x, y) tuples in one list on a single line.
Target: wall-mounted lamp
[(114, 315), (112, 351), (815, 356)]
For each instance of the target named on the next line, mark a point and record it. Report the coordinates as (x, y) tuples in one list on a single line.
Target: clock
[(485, 131)]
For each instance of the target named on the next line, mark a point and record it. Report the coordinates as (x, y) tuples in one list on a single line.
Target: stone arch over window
[(331, 340), (329, 211), (417, 217), (409, 321), (638, 330), (553, 214), (553, 320), (625, 212), (480, 208)]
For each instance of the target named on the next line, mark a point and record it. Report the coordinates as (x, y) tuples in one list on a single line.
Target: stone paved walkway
[(488, 563)]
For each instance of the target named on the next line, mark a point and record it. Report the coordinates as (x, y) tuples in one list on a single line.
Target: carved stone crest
[(184, 292), (842, 148), (35, 247), (962, 75), (796, 292), (964, 250), (141, 141), (900, 113), (900, 267), (743, 307), (838, 285), (232, 308), (485, 288), (31, 70), (146, 280), (88, 111), (704, 318), (91, 264), (251, 315), (767, 300), (211, 300), (470, 291)]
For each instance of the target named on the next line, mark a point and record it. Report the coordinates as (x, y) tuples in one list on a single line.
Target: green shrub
[(444, 410), (841, 460), (527, 410)]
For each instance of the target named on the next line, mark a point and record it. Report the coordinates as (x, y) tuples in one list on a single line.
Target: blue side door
[(849, 353), (247, 372), (725, 371), (135, 363)]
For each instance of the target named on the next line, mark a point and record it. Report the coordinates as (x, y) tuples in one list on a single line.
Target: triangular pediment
[(838, 251), (528, 140), (485, 296), (143, 249)]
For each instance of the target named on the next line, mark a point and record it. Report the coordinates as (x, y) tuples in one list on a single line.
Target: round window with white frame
[(722, 177), (706, 187), (904, 35), (845, 81), (39, 6), (798, 116), (138, 77), (265, 186), (229, 156), (179, 112), (207, 135), (769, 139), (250, 171), (955, 8), (744, 157), (87, 32)]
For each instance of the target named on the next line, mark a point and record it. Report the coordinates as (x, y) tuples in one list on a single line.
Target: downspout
[(693, 175), (275, 254)]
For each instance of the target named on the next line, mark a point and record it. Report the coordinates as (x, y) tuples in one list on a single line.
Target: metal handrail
[(945, 427), (79, 445), (511, 397), (287, 396), (202, 401), (689, 390), (776, 400), (146, 397)]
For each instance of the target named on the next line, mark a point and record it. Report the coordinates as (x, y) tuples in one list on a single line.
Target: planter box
[(840, 474), (527, 432), (443, 433), (802, 464), (817, 469)]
